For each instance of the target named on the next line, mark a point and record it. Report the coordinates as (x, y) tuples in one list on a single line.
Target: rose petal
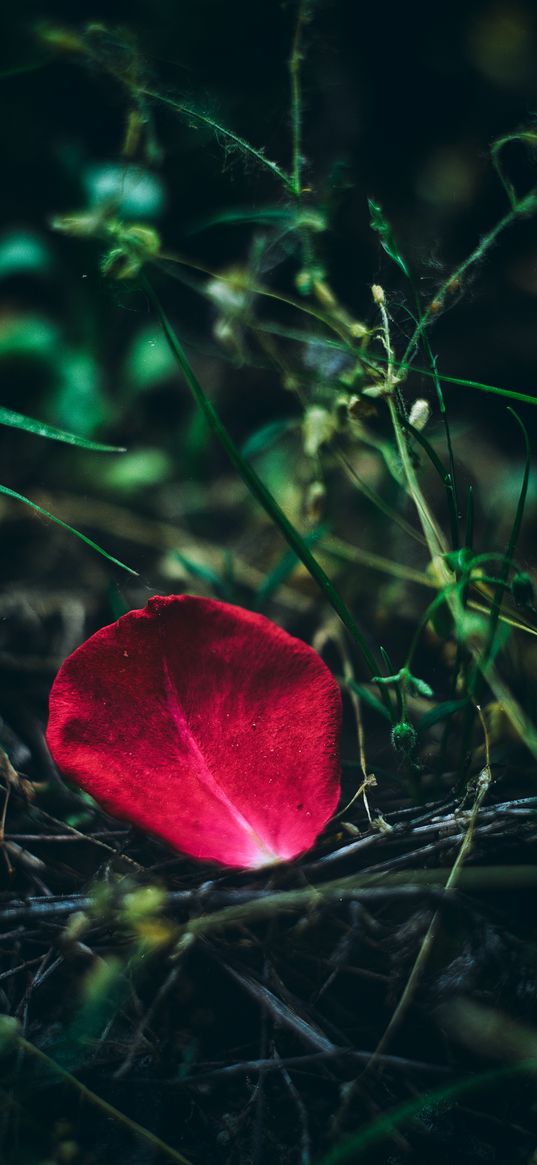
[(205, 725)]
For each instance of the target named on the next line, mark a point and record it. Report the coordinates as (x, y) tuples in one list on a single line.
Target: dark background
[(401, 102)]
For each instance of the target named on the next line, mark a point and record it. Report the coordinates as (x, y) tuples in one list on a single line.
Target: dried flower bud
[(358, 330), (229, 295), (318, 427), (359, 407), (314, 501), (419, 414)]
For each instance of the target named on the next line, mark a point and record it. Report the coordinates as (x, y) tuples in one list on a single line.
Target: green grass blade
[(406, 366), (511, 547), (469, 532), (446, 478), (431, 453), (366, 696), (497, 601), (354, 1148), (259, 490), (285, 567), (510, 393), (477, 674), (40, 429), (11, 493)]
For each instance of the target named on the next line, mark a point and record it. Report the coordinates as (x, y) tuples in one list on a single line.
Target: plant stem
[(295, 63)]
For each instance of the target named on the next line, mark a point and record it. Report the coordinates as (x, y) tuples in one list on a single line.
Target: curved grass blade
[(511, 545), (527, 137), (431, 453), (40, 429), (523, 397), (523, 490), (477, 675), (354, 1148), (407, 366), (53, 1069), (11, 493)]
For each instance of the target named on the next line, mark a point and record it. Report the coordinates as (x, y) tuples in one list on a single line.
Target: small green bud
[(404, 738)]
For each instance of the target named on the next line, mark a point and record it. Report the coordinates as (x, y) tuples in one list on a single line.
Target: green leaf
[(10, 493), (40, 429)]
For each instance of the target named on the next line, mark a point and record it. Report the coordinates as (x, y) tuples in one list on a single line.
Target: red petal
[(204, 724)]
